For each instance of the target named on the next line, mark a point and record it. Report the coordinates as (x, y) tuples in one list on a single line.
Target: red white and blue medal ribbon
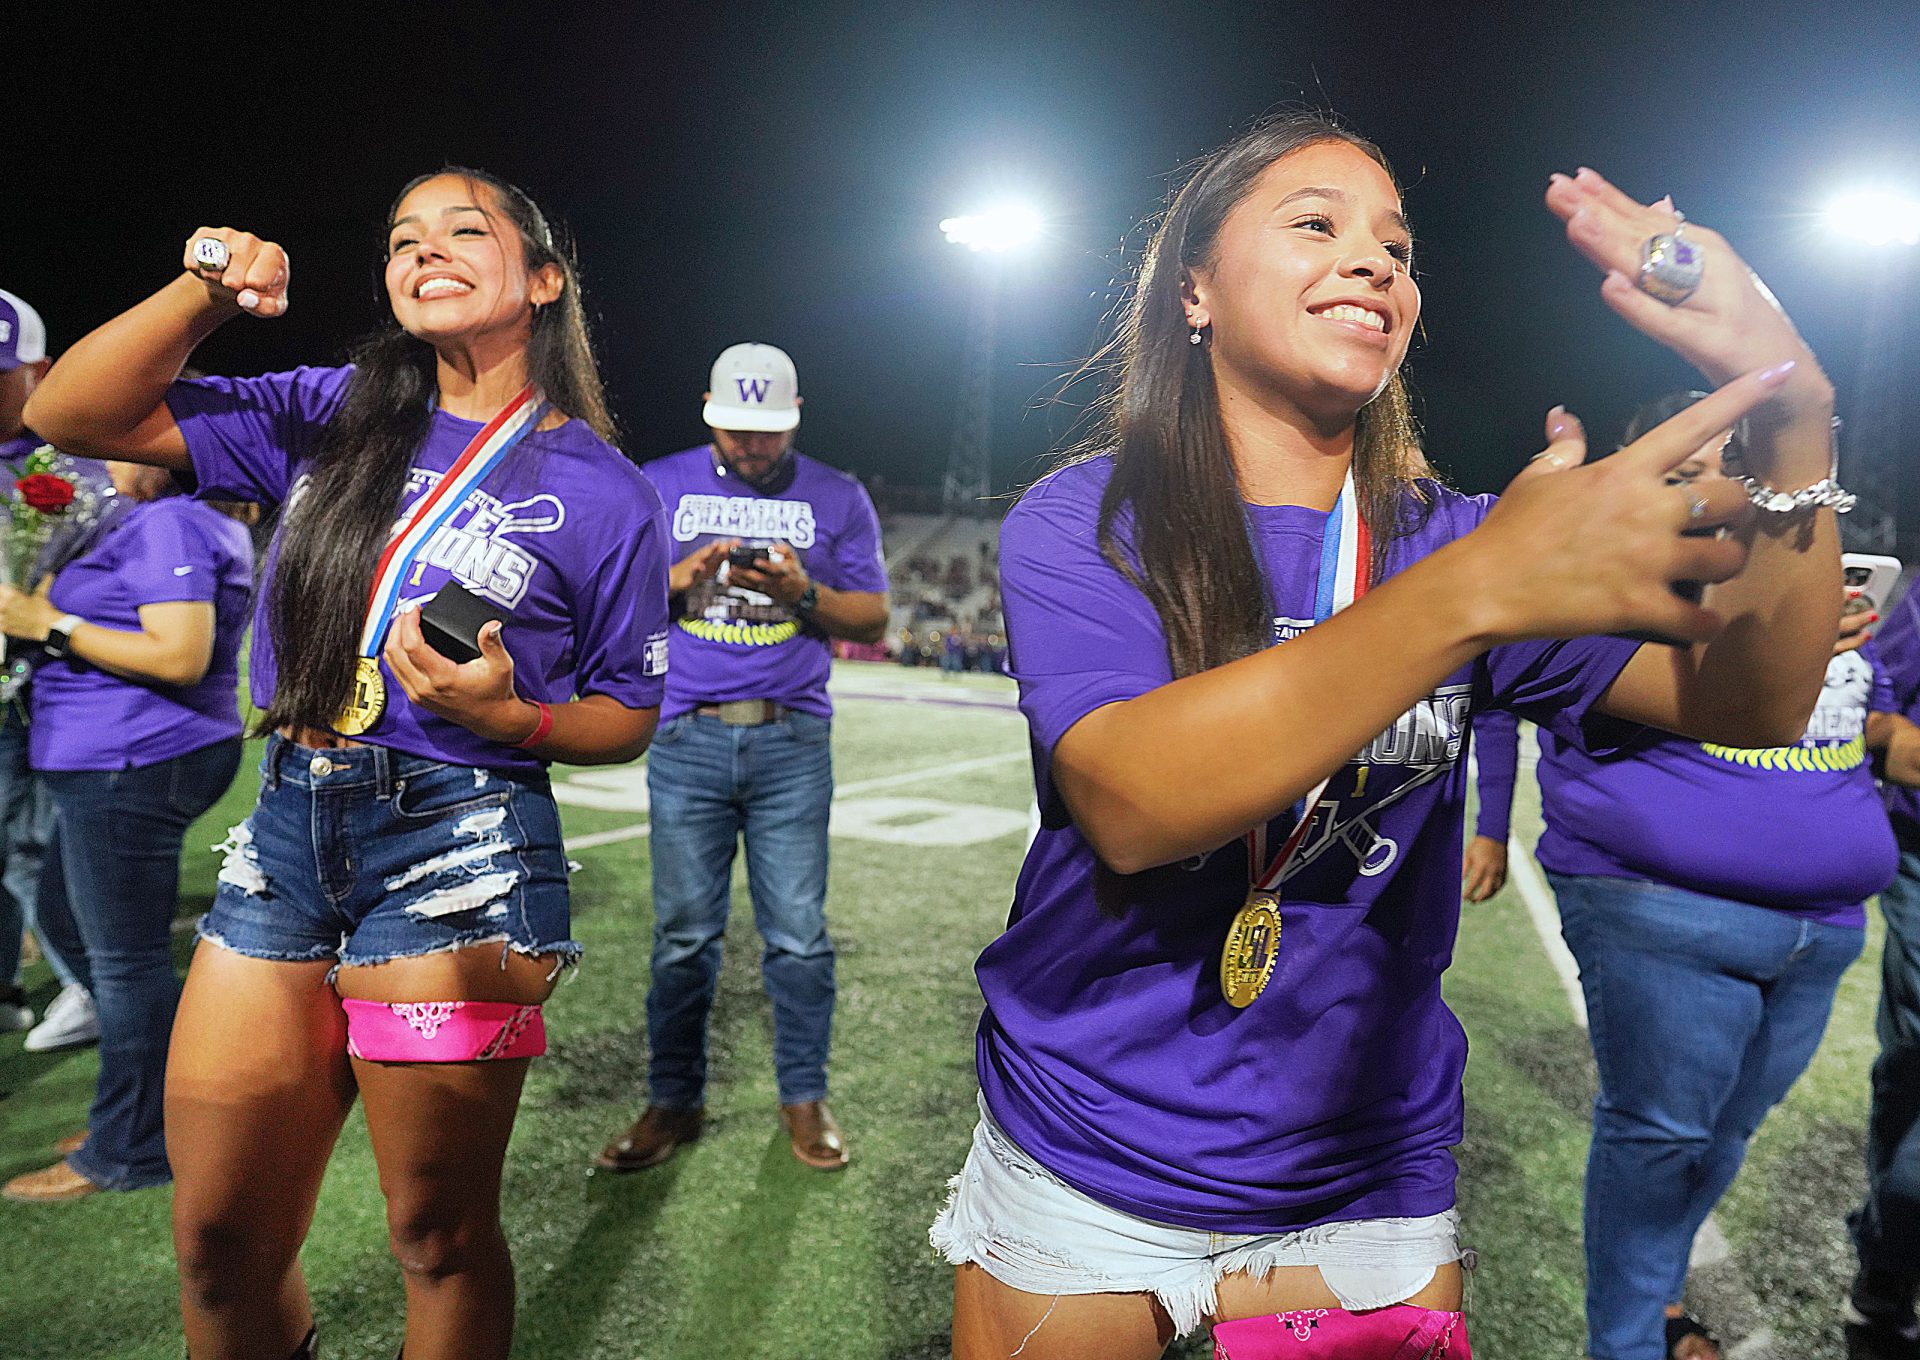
[(483, 453), (1253, 940)]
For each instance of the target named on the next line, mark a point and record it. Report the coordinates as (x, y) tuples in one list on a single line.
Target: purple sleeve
[(620, 620), (1897, 649), (245, 435), (1080, 634), (1883, 699), (1496, 755), (857, 560), (164, 558), (1556, 684)]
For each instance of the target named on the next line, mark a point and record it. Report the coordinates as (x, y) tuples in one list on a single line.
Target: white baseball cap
[(753, 387), (23, 336)]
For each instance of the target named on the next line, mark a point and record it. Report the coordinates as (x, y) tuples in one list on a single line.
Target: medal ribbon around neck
[(483, 453), (1253, 940)]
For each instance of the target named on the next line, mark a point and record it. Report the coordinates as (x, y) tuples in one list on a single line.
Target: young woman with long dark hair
[(406, 847), (1219, 1082)]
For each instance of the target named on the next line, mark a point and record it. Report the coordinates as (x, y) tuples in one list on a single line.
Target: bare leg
[(440, 1135), (993, 1321), (257, 1088)]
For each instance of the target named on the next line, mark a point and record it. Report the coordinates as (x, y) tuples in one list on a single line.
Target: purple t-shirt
[(1107, 1050), (565, 534), (733, 643), (1898, 645), (162, 552), (1799, 828)]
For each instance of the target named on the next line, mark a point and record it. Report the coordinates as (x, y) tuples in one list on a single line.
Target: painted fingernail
[(1776, 375), (1557, 178), (248, 299), (1586, 172), (1873, 618)]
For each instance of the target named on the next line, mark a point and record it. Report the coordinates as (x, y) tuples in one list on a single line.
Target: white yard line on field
[(859, 786)]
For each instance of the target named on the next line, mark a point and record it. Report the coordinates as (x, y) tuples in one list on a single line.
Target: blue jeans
[(1703, 1014), (116, 845), (708, 784), (26, 824), (1886, 1228)]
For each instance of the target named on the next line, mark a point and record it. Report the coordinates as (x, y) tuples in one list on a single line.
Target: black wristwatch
[(809, 598), (60, 635)]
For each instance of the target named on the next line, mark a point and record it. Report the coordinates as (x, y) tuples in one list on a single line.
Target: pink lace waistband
[(443, 1031), (1401, 1332)]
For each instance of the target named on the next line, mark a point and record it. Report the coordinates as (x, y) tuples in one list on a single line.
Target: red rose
[(45, 492)]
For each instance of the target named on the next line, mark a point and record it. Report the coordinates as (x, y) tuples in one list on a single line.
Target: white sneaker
[(69, 1021)]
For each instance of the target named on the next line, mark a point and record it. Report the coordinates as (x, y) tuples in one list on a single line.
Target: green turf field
[(734, 1249)]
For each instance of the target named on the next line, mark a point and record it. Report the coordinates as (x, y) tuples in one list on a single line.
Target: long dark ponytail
[(336, 528), (1173, 475)]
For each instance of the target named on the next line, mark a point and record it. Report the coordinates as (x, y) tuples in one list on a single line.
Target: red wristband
[(540, 729)]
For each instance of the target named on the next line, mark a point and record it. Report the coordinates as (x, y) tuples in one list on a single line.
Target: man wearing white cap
[(26, 810), (778, 555)]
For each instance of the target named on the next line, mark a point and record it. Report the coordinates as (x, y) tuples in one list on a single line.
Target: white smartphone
[(1870, 578)]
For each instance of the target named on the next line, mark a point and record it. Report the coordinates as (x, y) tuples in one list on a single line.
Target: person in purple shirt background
[(776, 554), (1496, 755), (1881, 1324), (26, 809), (136, 729), (1708, 962), (1213, 1096), (393, 914)]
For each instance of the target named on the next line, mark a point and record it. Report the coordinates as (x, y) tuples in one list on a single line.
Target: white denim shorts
[(1033, 1232)]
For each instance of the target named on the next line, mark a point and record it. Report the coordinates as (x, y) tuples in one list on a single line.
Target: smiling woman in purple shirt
[(1218, 1079), (394, 913)]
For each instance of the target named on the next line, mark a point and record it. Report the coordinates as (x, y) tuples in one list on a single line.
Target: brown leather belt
[(745, 712)]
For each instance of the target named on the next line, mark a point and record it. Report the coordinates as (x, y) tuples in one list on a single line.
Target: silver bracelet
[(1825, 492)]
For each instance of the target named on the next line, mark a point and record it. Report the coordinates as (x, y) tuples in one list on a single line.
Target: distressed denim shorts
[(1033, 1232), (362, 855)]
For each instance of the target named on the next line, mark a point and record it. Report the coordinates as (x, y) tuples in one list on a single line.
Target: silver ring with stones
[(1671, 266), (210, 253)]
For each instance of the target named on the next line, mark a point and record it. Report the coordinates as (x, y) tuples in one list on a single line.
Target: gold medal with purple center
[(1253, 944)]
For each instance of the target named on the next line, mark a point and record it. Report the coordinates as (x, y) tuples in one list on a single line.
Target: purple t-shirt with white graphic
[(565, 535), (732, 643), (1107, 1051), (1798, 828), (163, 552)]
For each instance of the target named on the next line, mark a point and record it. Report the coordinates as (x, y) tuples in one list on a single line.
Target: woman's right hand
[(1571, 550), (255, 278)]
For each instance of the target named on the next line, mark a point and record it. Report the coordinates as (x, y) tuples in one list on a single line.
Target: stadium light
[(1010, 226), (1879, 217)]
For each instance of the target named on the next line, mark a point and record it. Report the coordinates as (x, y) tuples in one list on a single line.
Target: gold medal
[(1253, 943), (369, 699)]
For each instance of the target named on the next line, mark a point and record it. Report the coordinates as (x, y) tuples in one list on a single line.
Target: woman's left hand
[(26, 616), (1730, 325), (477, 694)]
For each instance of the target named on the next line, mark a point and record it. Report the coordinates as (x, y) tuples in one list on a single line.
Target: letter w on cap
[(753, 389)]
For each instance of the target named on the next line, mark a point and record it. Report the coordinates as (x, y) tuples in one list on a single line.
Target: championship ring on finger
[(210, 253), (1671, 266)]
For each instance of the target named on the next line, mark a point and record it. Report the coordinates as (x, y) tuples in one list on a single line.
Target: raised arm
[(1187, 766), (106, 397), (1756, 681)]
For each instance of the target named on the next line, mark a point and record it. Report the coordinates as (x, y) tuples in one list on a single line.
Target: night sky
[(775, 173)]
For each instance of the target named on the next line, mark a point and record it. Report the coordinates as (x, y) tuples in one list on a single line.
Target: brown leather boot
[(652, 1139), (815, 1136)]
